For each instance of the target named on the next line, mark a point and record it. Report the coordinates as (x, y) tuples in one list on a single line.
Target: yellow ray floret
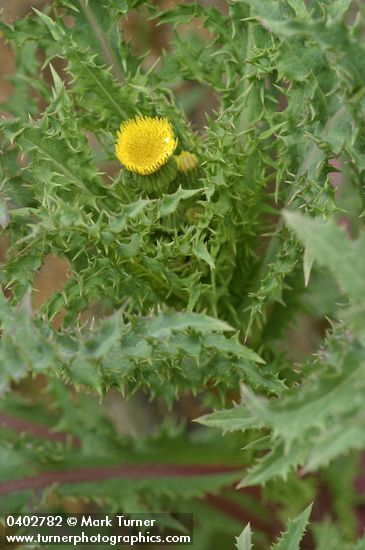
[(144, 144)]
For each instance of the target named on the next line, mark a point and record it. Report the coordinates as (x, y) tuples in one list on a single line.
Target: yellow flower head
[(186, 161), (144, 144)]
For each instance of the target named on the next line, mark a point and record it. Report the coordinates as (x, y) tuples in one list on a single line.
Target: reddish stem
[(84, 475), (21, 425)]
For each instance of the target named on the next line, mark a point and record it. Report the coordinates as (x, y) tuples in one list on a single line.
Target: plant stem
[(108, 54)]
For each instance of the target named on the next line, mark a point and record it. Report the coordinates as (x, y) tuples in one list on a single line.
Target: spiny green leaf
[(107, 336), (278, 463), (290, 540), (170, 203), (229, 420), (244, 541), (162, 326), (329, 245)]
